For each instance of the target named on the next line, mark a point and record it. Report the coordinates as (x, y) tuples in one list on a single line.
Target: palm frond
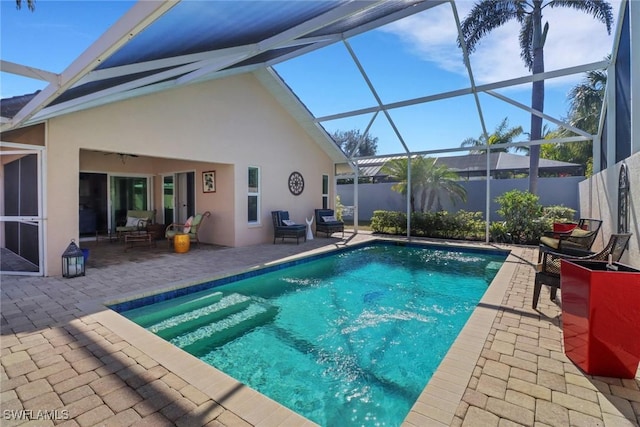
[(485, 17), (599, 9), (526, 41), (31, 4)]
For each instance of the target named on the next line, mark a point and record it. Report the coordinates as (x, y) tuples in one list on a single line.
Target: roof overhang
[(135, 56)]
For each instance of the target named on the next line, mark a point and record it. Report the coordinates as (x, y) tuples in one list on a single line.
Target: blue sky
[(410, 58)]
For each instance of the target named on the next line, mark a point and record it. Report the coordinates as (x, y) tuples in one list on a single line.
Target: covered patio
[(63, 352)]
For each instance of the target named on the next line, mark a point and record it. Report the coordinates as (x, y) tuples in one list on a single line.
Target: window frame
[(255, 194), (325, 196)]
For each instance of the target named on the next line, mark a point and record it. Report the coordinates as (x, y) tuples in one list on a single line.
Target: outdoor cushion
[(136, 220), (187, 225), (288, 222), (330, 218), (550, 241), (190, 227), (578, 232)]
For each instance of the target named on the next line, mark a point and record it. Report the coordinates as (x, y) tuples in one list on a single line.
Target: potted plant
[(601, 316)]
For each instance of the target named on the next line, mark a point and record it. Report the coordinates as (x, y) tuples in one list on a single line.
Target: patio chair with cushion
[(284, 227), (136, 221), (190, 227), (326, 222), (549, 269), (576, 242)]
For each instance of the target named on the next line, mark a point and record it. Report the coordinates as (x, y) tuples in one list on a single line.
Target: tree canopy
[(501, 135), (585, 106), (367, 145), (487, 15)]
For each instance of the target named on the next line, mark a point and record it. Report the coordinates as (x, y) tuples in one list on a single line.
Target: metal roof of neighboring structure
[(476, 164)]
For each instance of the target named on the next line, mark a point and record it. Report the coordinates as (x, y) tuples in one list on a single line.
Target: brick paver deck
[(67, 361)]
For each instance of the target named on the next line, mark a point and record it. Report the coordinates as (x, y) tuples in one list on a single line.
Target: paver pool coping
[(437, 404)]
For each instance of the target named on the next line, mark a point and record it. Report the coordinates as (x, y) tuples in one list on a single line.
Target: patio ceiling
[(158, 45)]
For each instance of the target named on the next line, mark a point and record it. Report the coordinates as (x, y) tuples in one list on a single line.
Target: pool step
[(201, 330), (185, 322), (491, 270), (147, 316)]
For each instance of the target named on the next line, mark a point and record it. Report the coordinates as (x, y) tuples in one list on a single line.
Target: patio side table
[(181, 243)]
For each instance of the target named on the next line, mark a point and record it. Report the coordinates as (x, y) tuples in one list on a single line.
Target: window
[(325, 191), (253, 195)]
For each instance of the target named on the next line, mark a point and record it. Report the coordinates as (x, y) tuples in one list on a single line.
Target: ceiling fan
[(123, 156)]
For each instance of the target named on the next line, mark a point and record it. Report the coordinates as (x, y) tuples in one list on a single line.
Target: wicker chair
[(326, 222), (549, 269), (191, 228), (576, 242), (282, 230)]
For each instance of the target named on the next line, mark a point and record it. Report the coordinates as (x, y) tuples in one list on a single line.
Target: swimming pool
[(346, 339)]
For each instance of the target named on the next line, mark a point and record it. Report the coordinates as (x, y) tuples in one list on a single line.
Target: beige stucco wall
[(225, 125), (599, 199)]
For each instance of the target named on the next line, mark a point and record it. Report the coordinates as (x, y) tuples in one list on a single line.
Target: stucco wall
[(599, 199), (227, 125), (553, 191)]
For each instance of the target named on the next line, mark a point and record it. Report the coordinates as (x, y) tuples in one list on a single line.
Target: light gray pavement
[(67, 361)]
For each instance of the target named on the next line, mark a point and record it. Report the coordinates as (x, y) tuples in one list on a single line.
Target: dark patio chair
[(326, 222), (549, 269), (576, 242), (282, 227)]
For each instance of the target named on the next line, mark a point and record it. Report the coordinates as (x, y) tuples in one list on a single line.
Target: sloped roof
[(9, 107)]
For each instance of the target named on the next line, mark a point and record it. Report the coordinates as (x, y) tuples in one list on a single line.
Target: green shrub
[(559, 213), (388, 222), (459, 225), (339, 209), (498, 233), (522, 213)]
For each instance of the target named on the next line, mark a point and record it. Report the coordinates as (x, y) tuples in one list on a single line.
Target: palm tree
[(398, 169), (488, 15), (427, 179), (440, 179), (586, 102), (501, 135)]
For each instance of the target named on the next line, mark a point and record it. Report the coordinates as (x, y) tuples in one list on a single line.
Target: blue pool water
[(348, 339)]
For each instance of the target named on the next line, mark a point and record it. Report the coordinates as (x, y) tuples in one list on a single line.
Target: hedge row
[(459, 225)]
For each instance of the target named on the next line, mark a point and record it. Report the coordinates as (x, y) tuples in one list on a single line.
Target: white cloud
[(574, 38)]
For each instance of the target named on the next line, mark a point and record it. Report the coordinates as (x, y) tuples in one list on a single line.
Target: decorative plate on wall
[(296, 183)]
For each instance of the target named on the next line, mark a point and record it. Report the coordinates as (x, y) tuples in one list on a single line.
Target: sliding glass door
[(178, 197), (127, 193)]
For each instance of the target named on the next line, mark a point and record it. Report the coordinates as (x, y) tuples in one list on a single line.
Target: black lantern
[(72, 261)]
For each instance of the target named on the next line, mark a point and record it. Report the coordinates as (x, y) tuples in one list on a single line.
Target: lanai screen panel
[(213, 30)]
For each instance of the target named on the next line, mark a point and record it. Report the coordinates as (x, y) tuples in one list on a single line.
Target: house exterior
[(234, 126), (137, 122)]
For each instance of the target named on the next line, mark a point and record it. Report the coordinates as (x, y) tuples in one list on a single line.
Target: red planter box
[(601, 317), (563, 227)]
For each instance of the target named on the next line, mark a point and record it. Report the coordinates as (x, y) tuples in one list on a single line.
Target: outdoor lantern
[(72, 261)]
